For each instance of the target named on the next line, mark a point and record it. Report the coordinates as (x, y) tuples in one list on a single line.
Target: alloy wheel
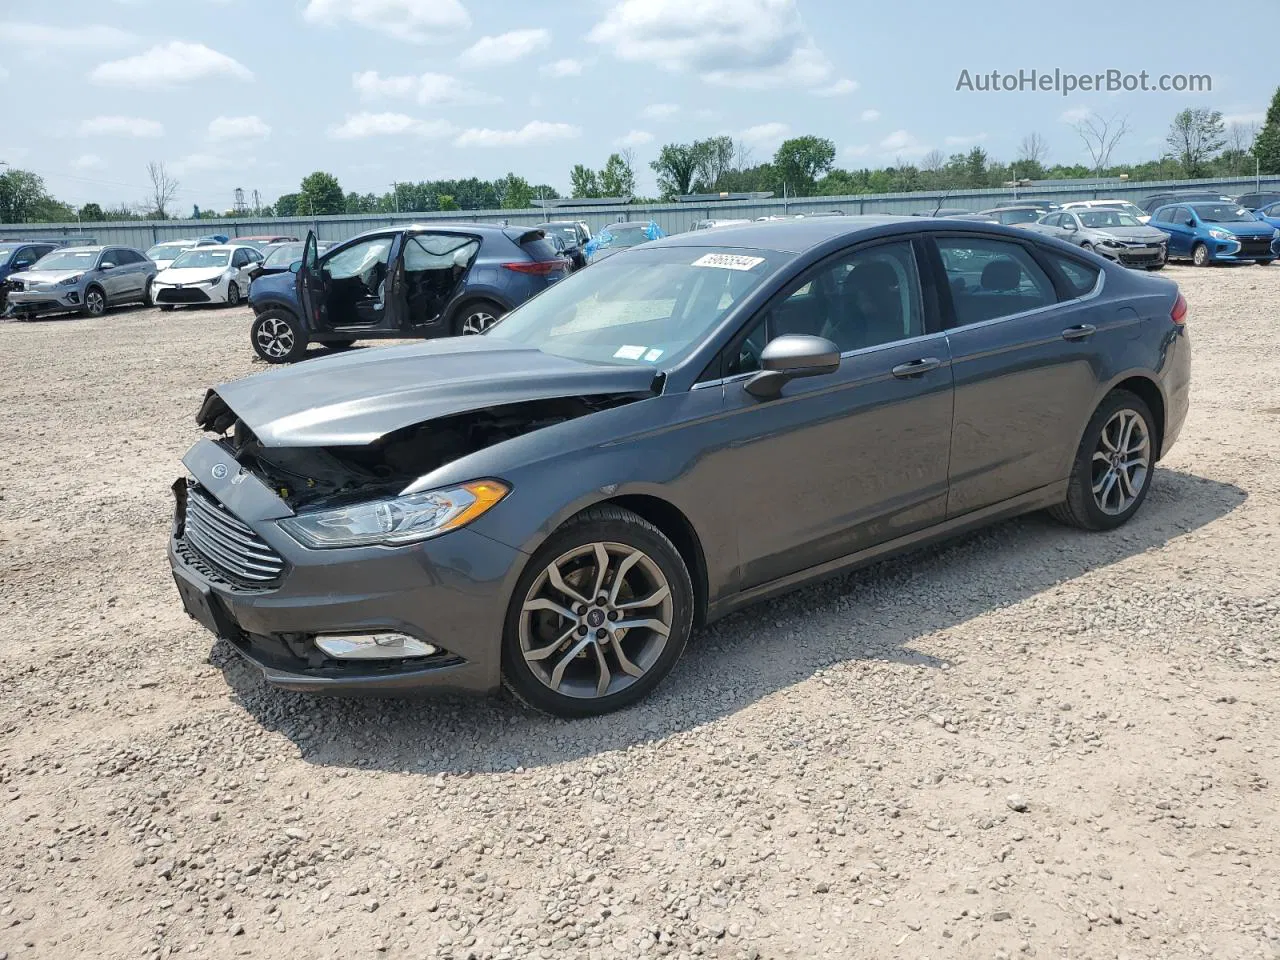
[(478, 322), (1120, 462), (233, 295), (1200, 256), (596, 620), (95, 303), (275, 337)]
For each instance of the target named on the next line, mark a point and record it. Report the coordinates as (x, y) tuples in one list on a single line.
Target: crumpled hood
[(353, 399), (190, 274), (46, 276), (1132, 233)]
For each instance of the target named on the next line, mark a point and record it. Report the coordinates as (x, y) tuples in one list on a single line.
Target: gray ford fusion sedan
[(686, 427)]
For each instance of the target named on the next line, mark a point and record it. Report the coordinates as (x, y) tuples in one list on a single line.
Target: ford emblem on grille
[(219, 471)]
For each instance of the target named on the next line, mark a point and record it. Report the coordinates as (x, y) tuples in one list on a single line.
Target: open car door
[(434, 268), (311, 287)]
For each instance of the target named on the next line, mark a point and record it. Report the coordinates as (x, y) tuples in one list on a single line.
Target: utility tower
[(239, 206)]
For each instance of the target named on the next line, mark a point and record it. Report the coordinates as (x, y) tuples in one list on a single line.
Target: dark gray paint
[(839, 470)]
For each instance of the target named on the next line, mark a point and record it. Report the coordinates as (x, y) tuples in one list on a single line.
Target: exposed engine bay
[(331, 476)]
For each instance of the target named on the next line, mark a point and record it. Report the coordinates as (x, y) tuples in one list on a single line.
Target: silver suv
[(82, 279)]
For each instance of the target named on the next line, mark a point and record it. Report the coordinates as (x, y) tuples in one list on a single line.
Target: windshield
[(1101, 218), (624, 234), (1223, 213), (6, 253), (202, 257), (167, 251), (284, 255), (647, 308), (1020, 216), (256, 244), (69, 260)]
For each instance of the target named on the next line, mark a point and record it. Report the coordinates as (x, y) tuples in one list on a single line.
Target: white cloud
[(426, 88), (869, 116), (860, 150), (837, 89), (35, 39), (635, 138), (169, 64), (660, 111), (114, 126), (199, 162), (361, 125), (1245, 119), (238, 128), (504, 48), (564, 68), (752, 44), (901, 143), (764, 134), (414, 21), (964, 140), (1075, 115), (87, 161), (535, 131)]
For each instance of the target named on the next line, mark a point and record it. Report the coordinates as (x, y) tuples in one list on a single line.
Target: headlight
[(1108, 242), (397, 520), (70, 281), (1219, 234)]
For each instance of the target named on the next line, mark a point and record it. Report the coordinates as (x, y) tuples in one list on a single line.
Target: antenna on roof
[(944, 199)]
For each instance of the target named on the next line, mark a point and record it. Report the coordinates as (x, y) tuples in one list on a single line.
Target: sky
[(256, 94)]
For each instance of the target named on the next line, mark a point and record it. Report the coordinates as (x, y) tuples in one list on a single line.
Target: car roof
[(788, 236), (171, 243), (93, 249), (221, 247)]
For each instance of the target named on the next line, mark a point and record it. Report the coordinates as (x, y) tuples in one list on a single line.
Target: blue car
[(618, 236), (1269, 214), (1216, 231), (438, 280)]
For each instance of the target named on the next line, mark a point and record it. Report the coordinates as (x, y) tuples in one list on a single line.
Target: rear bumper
[(1177, 386)]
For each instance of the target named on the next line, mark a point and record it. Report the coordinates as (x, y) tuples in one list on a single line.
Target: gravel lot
[(1030, 742)]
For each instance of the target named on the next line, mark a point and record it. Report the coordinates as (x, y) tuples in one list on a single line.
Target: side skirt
[(1038, 499)]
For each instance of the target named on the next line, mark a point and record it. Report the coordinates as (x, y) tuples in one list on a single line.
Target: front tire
[(278, 337), (600, 616), (1264, 263), (95, 301), (233, 294), (148, 296), (1200, 255), (1113, 467)]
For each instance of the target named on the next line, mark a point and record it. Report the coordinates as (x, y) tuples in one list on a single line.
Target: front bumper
[(189, 293), (29, 303), (1138, 256), (450, 592), (1243, 250)]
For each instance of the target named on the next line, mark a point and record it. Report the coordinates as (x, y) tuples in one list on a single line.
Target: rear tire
[(1200, 255), (1113, 467), (278, 337), (476, 317), (338, 344), (1264, 263), (552, 660)]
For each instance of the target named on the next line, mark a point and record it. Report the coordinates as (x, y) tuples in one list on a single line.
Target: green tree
[(22, 196), (1196, 136), (1266, 148), (715, 159), (445, 201), (617, 179), (514, 192), (287, 205), (583, 181), (91, 211), (320, 194), (801, 160), (676, 166)]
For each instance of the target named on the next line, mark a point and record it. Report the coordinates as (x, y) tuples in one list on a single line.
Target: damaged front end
[(334, 476)]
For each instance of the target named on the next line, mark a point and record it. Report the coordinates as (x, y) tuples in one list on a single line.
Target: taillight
[(1179, 313), (540, 268)]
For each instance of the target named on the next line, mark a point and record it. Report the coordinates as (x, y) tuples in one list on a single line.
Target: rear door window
[(992, 278)]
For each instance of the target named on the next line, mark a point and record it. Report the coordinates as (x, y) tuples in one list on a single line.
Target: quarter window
[(992, 278), (1081, 277)]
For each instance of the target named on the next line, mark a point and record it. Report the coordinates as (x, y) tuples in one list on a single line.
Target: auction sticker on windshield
[(728, 261)]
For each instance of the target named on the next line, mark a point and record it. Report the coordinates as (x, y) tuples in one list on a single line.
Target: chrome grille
[(226, 543)]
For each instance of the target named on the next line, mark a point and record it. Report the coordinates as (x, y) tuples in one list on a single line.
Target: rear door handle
[(915, 368), (1079, 331)]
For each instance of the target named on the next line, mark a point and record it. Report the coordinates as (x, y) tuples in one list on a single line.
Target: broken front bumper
[(450, 592), (30, 303)]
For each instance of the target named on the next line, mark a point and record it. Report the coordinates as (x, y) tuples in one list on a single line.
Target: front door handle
[(1079, 332), (916, 367)]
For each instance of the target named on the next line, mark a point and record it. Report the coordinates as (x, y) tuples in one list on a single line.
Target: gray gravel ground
[(1031, 742)]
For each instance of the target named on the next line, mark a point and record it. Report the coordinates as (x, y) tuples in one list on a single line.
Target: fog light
[(373, 646), (73, 297)]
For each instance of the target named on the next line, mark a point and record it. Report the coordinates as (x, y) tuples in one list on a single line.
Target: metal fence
[(671, 217)]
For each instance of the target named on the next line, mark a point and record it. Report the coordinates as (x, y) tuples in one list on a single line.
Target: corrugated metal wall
[(673, 218)]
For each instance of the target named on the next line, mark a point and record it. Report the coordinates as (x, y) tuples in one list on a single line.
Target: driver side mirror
[(1191, 221), (790, 357), (106, 266)]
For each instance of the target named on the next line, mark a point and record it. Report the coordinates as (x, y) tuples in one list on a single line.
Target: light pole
[(395, 192)]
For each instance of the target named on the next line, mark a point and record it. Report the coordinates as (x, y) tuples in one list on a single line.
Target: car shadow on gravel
[(876, 613)]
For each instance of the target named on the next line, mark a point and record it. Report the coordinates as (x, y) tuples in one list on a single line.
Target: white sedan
[(217, 274)]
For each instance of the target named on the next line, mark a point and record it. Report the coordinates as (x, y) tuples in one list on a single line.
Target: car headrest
[(1001, 274), (874, 279)]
